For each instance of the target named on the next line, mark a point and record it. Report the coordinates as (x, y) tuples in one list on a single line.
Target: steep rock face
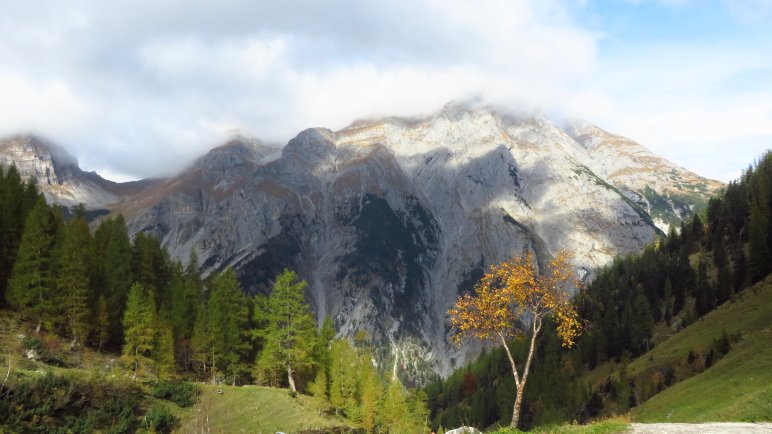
[(666, 191), (390, 220), (58, 175)]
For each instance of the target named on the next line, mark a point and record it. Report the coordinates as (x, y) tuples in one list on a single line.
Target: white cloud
[(165, 81)]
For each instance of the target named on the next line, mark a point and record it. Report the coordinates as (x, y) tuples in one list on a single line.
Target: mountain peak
[(237, 151), (38, 158)]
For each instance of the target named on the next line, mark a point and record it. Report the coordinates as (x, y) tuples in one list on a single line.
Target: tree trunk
[(520, 383), (290, 379), (516, 408), (40, 325)]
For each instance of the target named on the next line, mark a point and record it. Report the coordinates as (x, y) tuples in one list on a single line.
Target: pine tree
[(291, 331), (72, 280), (31, 284), (139, 327)]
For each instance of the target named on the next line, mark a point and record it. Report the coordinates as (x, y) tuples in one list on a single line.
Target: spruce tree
[(759, 259), (118, 277), (17, 198), (228, 319), (73, 280), (290, 331), (30, 288)]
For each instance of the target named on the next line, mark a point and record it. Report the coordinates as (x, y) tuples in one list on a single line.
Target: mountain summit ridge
[(390, 219)]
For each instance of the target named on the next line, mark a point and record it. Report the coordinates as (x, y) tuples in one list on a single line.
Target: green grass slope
[(738, 387), (252, 409), (244, 409)]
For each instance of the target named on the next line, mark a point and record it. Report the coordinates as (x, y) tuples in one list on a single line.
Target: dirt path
[(699, 428)]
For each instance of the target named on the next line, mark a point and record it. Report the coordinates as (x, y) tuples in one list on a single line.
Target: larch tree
[(511, 293), (291, 330), (102, 323), (139, 323), (343, 362), (394, 410)]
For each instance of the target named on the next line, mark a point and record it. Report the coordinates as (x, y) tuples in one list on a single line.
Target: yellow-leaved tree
[(514, 293)]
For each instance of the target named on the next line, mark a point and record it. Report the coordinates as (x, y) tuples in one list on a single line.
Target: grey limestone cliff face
[(390, 220), (58, 175)]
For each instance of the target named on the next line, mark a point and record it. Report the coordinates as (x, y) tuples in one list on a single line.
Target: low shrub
[(160, 419), (60, 404), (182, 394)]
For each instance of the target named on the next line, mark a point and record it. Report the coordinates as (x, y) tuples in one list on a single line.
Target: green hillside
[(253, 409), (738, 386)]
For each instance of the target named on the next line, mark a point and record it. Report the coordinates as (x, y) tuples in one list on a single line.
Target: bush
[(160, 419), (57, 403), (182, 394)]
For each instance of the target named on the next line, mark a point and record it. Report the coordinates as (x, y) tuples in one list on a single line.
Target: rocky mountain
[(58, 175), (389, 220)]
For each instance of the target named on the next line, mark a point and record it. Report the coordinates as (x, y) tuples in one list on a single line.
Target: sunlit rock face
[(58, 175), (390, 220)]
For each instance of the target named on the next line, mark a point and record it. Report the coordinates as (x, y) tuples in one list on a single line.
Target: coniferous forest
[(708, 260)]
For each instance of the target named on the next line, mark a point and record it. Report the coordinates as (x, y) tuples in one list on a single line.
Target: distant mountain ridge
[(58, 175), (389, 220)]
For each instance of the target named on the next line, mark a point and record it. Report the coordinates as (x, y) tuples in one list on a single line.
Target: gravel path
[(699, 428)]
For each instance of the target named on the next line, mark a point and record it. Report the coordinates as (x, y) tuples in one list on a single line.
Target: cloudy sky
[(139, 88)]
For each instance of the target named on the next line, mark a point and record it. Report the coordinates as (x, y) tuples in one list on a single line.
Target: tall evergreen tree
[(394, 410), (118, 277), (73, 280), (163, 349), (139, 323), (228, 319), (17, 198), (759, 259), (291, 331), (370, 394), (201, 341), (31, 285)]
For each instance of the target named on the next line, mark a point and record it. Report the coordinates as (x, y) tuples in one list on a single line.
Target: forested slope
[(633, 305)]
